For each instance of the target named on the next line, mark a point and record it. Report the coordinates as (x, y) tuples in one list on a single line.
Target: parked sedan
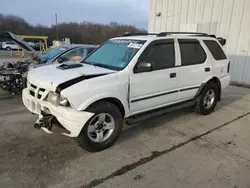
[(75, 52)]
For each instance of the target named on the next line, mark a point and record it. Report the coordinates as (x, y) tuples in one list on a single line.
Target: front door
[(159, 87)]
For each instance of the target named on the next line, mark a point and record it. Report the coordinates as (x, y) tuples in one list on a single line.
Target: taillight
[(228, 67)]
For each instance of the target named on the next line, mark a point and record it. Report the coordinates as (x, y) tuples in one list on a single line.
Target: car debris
[(13, 75)]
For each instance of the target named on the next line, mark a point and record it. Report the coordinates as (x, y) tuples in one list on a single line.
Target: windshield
[(53, 52), (115, 54)]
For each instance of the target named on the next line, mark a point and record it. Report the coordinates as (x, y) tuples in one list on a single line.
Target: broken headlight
[(57, 100), (63, 101)]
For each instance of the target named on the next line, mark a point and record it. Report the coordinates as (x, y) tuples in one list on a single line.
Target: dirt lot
[(181, 149)]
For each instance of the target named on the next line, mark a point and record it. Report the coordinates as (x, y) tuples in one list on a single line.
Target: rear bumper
[(69, 118), (225, 81)]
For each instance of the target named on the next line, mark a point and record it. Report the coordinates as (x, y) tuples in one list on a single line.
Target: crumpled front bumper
[(69, 118)]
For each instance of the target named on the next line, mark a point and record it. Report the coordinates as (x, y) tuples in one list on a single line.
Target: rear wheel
[(102, 129), (207, 99)]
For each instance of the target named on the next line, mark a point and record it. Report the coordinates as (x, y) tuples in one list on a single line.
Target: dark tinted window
[(161, 55), (10, 42), (215, 49), (191, 52)]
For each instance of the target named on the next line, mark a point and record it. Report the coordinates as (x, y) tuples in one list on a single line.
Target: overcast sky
[(133, 12)]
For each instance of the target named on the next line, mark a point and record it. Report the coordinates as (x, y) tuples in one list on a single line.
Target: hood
[(36, 65), (51, 76), (18, 40)]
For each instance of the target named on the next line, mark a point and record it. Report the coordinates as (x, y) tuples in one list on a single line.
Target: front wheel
[(102, 129), (8, 48), (207, 99)]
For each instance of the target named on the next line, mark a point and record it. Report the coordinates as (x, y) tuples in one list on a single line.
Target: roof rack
[(136, 34), (163, 34)]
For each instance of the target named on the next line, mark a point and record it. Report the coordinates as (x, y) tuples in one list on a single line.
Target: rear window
[(191, 52), (215, 49)]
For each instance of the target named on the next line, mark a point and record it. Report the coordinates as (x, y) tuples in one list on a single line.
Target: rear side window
[(160, 54), (215, 49), (192, 52), (11, 42)]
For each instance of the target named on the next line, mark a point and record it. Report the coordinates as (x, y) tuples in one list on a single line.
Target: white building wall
[(229, 19)]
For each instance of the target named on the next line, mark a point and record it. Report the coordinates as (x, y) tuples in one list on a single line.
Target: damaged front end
[(13, 75), (52, 117), (49, 124)]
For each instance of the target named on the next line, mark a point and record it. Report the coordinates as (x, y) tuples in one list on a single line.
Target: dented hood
[(18, 40), (51, 76)]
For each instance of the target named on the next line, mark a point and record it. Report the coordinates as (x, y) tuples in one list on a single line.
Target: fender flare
[(103, 96), (217, 80)]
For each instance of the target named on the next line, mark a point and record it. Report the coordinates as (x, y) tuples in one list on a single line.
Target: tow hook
[(45, 121)]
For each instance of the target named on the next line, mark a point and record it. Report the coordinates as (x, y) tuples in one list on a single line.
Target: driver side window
[(76, 54), (161, 54), (70, 54)]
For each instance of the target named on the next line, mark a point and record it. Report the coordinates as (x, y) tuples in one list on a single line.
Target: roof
[(165, 35)]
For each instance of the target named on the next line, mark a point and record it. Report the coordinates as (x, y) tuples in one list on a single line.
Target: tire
[(204, 103), (87, 141), (8, 48)]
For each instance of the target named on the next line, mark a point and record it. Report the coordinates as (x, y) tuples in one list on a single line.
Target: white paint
[(125, 86), (229, 19)]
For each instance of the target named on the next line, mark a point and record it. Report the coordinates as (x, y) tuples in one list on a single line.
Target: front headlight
[(53, 98), (56, 99), (63, 101)]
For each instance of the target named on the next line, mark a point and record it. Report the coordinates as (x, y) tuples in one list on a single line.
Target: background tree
[(79, 33)]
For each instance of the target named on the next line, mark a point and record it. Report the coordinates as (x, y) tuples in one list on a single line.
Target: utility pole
[(56, 28)]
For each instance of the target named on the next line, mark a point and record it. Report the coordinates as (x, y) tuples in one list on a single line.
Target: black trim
[(71, 82), (167, 93), (188, 41), (190, 88), (159, 111), (158, 95)]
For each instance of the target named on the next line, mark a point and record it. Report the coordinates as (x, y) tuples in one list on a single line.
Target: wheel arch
[(215, 80), (113, 100)]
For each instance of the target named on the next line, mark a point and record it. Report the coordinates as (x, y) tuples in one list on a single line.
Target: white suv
[(134, 77), (9, 45)]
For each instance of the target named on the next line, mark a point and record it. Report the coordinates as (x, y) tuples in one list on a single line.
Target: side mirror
[(143, 66)]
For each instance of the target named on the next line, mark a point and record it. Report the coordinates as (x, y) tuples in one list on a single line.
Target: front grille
[(32, 93), (33, 86), (39, 96), (35, 91)]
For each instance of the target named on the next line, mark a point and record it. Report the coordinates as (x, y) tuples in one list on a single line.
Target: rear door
[(219, 62), (149, 90), (195, 67)]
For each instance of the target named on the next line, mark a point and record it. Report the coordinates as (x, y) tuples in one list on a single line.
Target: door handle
[(172, 75), (207, 69)]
